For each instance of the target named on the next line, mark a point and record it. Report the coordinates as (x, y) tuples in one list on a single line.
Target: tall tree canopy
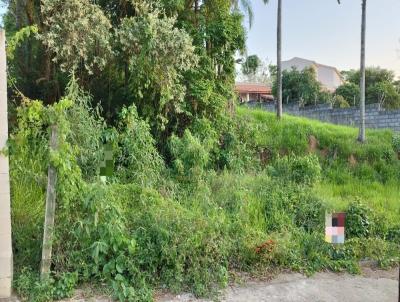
[(300, 86), (251, 65), (173, 59), (380, 86)]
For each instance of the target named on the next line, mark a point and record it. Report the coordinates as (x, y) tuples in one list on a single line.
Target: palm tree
[(361, 136), (245, 5), (279, 61)]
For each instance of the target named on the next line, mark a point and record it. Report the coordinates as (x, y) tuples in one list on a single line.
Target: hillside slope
[(370, 171)]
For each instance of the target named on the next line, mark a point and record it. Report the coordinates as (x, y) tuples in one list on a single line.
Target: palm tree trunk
[(361, 136), (279, 61)]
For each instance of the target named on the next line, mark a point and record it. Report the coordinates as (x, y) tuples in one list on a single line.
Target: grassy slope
[(373, 176)]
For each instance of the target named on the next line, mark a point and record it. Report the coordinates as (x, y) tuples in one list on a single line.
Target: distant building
[(254, 92), (329, 77)]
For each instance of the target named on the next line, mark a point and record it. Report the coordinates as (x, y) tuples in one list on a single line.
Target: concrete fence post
[(6, 266)]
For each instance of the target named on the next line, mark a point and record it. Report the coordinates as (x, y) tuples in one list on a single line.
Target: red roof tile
[(253, 88)]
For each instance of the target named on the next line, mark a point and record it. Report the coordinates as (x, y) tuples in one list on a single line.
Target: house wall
[(243, 97), (250, 97), (328, 77), (5, 210), (297, 63), (376, 117)]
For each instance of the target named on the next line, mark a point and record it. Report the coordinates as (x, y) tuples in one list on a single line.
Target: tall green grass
[(351, 170), (384, 198), (292, 134)]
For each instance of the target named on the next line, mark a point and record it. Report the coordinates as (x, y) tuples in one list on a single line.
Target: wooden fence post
[(50, 211)]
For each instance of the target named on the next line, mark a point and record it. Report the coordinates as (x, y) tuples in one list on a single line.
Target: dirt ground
[(372, 285)]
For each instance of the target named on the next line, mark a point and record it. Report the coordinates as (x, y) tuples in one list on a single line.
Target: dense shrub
[(239, 145), (340, 102), (300, 86), (31, 288), (301, 170), (359, 220), (350, 92), (136, 157), (394, 234), (191, 156), (396, 142)]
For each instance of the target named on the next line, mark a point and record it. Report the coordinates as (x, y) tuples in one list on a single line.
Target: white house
[(328, 76), (254, 92)]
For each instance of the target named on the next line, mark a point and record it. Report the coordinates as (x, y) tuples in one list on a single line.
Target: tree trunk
[(50, 212), (361, 136), (279, 61)]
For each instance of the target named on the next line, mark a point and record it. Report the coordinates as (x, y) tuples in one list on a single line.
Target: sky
[(323, 31)]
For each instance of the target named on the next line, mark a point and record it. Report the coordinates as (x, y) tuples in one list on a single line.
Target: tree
[(246, 6), (350, 92), (77, 32), (255, 70), (251, 65), (384, 93), (380, 86), (174, 60), (361, 136), (300, 86), (279, 61), (373, 75), (158, 55)]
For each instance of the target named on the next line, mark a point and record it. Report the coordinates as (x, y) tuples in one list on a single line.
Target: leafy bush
[(394, 234), (340, 102), (359, 220), (239, 145), (299, 86), (30, 288), (396, 142), (350, 92), (86, 127), (137, 159), (301, 170), (191, 155), (309, 213), (135, 239)]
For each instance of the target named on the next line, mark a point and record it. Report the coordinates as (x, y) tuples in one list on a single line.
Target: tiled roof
[(253, 88)]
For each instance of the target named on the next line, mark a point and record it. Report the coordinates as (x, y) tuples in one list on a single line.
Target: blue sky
[(328, 33)]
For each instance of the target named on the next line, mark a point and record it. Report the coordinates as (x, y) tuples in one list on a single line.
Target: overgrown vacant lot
[(351, 171), (248, 193)]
